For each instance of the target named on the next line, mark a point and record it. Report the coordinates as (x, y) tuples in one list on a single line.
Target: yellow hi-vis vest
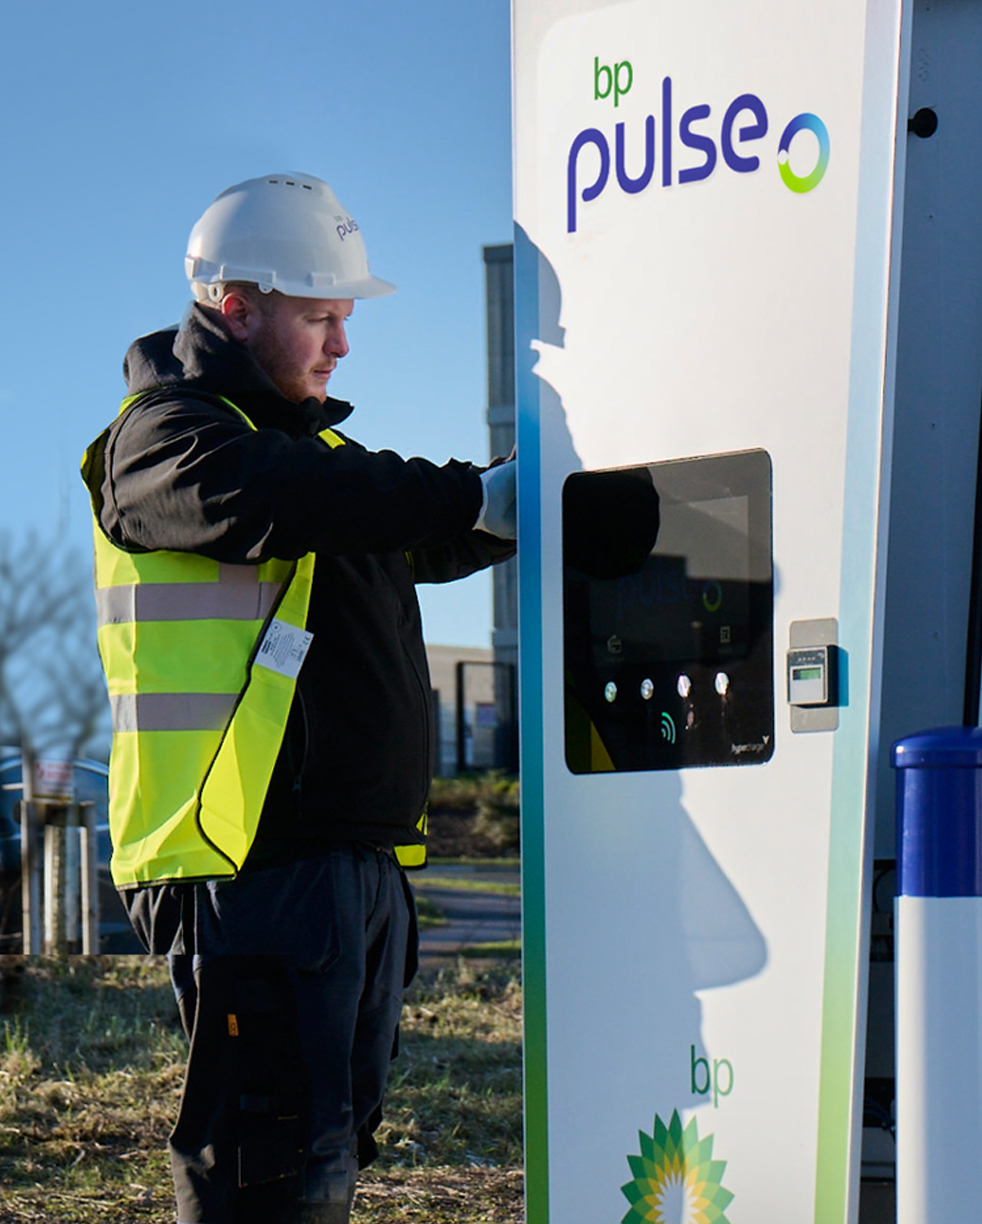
[(198, 718)]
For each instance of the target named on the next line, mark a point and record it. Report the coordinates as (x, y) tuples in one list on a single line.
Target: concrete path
[(473, 917)]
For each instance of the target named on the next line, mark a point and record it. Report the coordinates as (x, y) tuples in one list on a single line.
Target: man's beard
[(268, 353)]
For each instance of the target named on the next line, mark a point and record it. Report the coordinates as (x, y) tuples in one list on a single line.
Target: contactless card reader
[(808, 676), (813, 664)]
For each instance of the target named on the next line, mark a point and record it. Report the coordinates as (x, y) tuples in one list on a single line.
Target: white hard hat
[(283, 231)]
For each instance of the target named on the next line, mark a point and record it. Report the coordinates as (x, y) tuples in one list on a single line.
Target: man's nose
[(337, 343)]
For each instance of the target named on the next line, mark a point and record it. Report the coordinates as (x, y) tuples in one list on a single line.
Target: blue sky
[(122, 121)]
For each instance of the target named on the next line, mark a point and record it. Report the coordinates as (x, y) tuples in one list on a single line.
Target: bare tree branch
[(52, 693)]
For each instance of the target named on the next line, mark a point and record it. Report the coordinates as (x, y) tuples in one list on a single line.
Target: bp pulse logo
[(676, 1180), (688, 150)]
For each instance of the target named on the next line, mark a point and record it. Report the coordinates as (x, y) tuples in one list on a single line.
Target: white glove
[(498, 507)]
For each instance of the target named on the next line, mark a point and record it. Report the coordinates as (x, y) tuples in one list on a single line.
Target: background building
[(474, 687), (500, 294)]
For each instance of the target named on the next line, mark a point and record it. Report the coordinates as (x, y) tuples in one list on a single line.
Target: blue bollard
[(938, 930)]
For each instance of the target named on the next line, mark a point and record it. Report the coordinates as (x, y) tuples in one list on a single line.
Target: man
[(272, 743)]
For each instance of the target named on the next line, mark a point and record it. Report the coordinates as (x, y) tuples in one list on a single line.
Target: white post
[(90, 880), (939, 1059), (55, 885), (939, 976)]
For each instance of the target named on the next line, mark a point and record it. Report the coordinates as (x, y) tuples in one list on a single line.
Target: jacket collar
[(202, 356)]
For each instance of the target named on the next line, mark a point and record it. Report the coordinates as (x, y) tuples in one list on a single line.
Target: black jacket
[(181, 471)]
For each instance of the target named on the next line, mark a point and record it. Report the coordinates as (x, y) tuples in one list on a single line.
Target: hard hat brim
[(368, 287), (321, 287)]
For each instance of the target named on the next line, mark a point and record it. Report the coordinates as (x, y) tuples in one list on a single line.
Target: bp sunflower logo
[(676, 1180)]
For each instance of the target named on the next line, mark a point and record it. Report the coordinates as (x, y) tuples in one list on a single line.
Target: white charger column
[(939, 976)]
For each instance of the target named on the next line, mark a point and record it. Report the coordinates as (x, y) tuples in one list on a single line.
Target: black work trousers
[(289, 982)]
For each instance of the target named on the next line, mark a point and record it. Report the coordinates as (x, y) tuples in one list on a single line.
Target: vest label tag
[(284, 648)]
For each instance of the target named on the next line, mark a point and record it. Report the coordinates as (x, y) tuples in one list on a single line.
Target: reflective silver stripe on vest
[(172, 711), (237, 595)]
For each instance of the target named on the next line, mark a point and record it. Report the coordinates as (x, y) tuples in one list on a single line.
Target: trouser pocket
[(237, 1149), (271, 1099)]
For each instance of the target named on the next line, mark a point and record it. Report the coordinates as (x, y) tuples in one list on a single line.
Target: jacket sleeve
[(191, 476), (473, 551)]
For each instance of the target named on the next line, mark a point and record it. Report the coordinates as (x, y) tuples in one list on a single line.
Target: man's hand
[(498, 508)]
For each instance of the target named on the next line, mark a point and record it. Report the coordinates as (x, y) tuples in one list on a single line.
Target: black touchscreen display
[(668, 649)]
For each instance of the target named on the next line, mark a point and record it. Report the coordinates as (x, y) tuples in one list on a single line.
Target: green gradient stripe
[(843, 963), (848, 870), (530, 724)]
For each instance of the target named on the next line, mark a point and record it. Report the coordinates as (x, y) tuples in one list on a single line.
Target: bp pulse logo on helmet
[(346, 225), (744, 122)]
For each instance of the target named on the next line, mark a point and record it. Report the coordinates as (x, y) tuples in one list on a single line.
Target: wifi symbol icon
[(667, 727)]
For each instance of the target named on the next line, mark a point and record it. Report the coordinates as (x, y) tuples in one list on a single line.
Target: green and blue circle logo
[(712, 595), (803, 182), (676, 1180)]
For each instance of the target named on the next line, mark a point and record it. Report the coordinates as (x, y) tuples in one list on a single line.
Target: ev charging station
[(741, 282)]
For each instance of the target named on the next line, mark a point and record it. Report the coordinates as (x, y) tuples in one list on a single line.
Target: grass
[(462, 884), (91, 1066), (466, 790), (495, 864), (459, 793), (499, 947), (455, 1091)]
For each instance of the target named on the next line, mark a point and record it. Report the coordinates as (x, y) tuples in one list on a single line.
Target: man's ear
[(238, 312)]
